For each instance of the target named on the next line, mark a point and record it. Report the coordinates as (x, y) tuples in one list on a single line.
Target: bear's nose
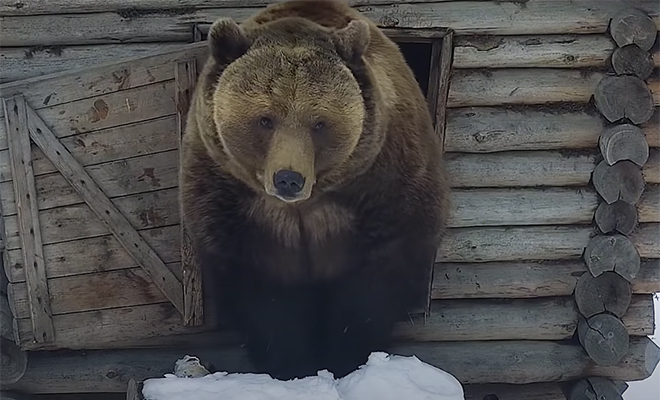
[(288, 182)]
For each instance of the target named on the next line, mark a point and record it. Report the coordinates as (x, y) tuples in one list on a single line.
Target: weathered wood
[(632, 60), (533, 243), (492, 129), (651, 169), (649, 205), (528, 206), (521, 86), (103, 253), (594, 388), (625, 96), (89, 292), (7, 318), (134, 390), (519, 168), (618, 216), (632, 25), (28, 225), (614, 253), (467, 17), (524, 279), (185, 78), (604, 338), (85, 82), (13, 362), (532, 391), (27, 62), (651, 128), (444, 78), (141, 211), (608, 292), (105, 210), (624, 142), (515, 362), (129, 177), (622, 181), (545, 51)]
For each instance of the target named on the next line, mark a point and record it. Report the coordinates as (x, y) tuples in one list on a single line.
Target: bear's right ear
[(352, 41), (227, 41)]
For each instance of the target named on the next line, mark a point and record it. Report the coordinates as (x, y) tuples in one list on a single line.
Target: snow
[(383, 377)]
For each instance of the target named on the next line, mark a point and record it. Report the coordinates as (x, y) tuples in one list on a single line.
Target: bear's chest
[(315, 242)]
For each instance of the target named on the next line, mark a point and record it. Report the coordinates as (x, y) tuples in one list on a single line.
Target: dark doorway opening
[(418, 57)]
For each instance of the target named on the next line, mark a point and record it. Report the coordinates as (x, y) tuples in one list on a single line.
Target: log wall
[(522, 140)]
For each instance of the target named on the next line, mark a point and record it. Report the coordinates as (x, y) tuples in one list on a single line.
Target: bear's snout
[(288, 183)]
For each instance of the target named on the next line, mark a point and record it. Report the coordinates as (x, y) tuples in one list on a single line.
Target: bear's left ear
[(227, 41), (352, 41)]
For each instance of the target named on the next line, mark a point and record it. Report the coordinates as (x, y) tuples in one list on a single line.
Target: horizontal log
[(544, 51), (478, 87), (533, 243), (154, 172), (525, 279), (27, 62), (145, 210), (513, 362), (514, 319), (467, 17), (651, 128), (102, 253), (520, 168), (651, 169)]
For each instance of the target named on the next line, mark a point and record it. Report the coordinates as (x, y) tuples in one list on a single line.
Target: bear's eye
[(319, 126), (266, 122)]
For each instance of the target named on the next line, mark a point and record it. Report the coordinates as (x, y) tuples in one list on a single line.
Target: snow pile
[(384, 377)]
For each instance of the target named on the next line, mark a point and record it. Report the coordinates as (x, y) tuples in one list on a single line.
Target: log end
[(618, 97), (632, 60), (622, 181), (624, 142), (633, 26), (607, 292), (615, 253), (14, 362), (594, 388), (605, 338), (619, 216)]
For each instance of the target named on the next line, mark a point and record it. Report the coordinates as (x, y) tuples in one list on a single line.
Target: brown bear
[(312, 185)]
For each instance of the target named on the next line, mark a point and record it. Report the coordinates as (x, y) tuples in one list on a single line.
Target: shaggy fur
[(316, 282)]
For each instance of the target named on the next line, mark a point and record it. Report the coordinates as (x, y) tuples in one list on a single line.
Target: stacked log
[(603, 294)]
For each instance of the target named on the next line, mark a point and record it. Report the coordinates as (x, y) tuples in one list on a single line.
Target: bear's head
[(291, 105)]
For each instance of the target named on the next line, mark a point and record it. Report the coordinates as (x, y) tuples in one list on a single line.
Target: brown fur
[(366, 225)]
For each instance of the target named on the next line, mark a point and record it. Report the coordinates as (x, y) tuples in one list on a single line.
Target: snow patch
[(383, 377)]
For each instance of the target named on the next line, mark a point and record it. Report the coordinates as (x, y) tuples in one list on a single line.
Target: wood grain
[(465, 17), (618, 97), (525, 279), (102, 253), (624, 142), (185, 78), (513, 362), (608, 292), (106, 210), (651, 169), (520, 168), (28, 224), (618, 216), (529, 51), (604, 337), (27, 62), (493, 129), (632, 60), (486, 244), (615, 252), (621, 181), (521, 86), (633, 26)]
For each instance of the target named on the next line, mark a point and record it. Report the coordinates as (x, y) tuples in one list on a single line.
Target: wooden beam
[(651, 169), (513, 362), (511, 86), (633, 26), (618, 97), (185, 78), (105, 210), (17, 118), (515, 280), (532, 51), (118, 25), (446, 60)]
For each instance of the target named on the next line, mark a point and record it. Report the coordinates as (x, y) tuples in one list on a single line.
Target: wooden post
[(20, 154), (185, 78), (603, 293)]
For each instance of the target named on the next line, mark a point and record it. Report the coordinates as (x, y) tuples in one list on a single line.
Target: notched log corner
[(608, 292), (622, 181), (619, 216), (604, 338), (624, 142), (618, 97), (615, 253)]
